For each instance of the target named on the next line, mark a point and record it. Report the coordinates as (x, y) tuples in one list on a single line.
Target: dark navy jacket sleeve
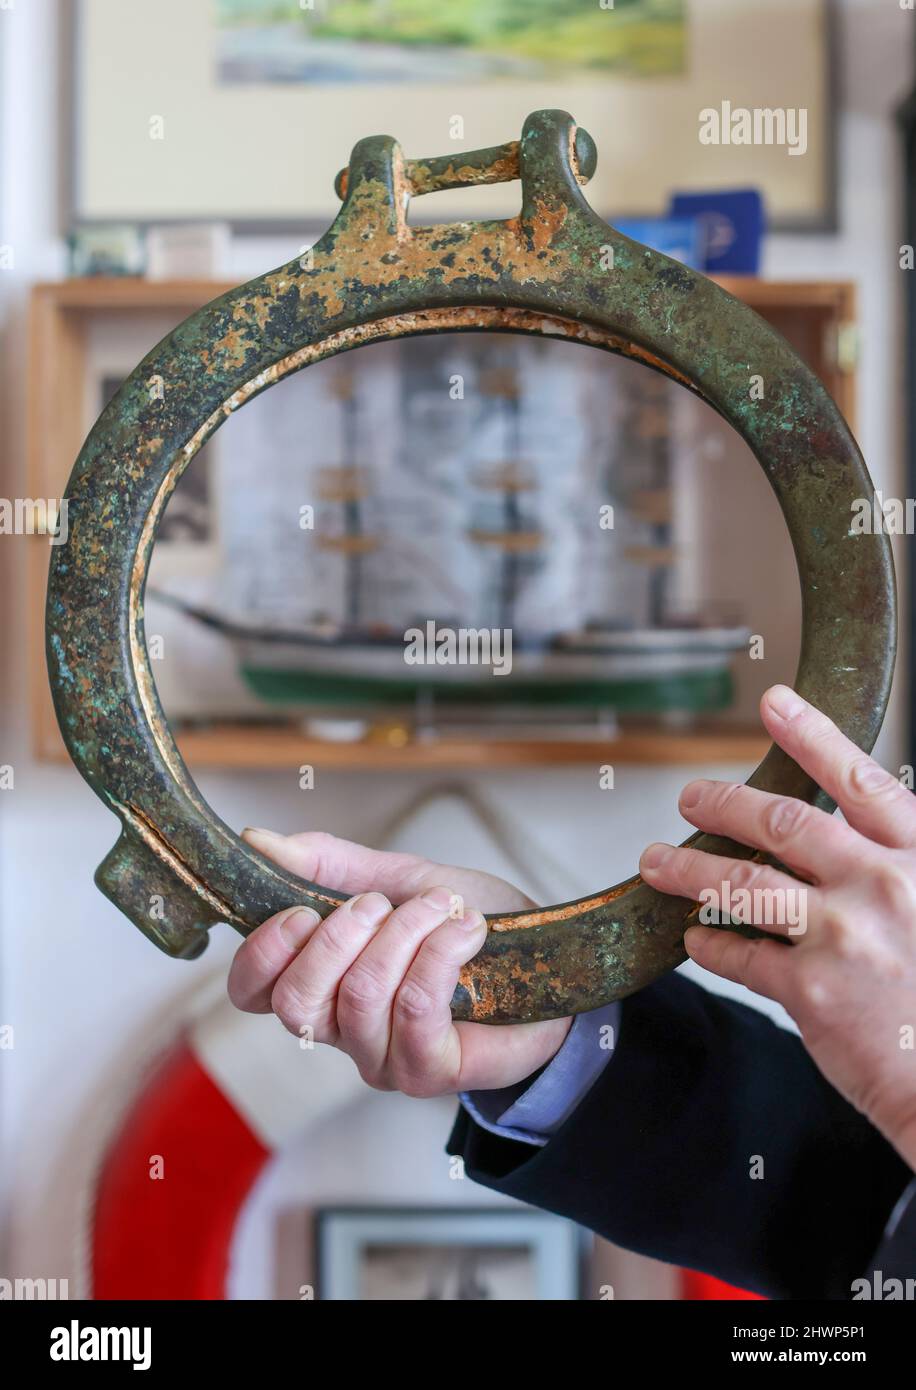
[(710, 1140)]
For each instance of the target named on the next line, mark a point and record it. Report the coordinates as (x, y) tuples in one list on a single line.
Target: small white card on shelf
[(188, 251)]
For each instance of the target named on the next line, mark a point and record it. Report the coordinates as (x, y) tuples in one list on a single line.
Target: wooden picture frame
[(263, 156), (367, 1254)]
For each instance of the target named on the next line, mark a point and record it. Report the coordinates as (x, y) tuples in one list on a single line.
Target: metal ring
[(370, 277)]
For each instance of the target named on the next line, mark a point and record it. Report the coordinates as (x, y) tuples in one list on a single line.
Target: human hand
[(375, 978), (848, 976)]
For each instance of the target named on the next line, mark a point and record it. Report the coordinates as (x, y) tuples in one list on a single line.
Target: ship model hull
[(646, 671)]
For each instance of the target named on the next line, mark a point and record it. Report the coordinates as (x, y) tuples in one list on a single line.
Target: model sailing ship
[(660, 666)]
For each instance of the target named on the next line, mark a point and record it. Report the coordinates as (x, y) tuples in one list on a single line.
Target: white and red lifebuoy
[(218, 1103), (222, 1098), (707, 1288)]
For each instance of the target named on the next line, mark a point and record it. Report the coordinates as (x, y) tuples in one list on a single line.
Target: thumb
[(345, 866)]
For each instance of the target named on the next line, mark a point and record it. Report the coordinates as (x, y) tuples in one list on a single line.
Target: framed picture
[(245, 110), (393, 1254)]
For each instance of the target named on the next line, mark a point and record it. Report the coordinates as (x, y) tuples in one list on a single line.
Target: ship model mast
[(346, 485), (648, 424), (511, 478)]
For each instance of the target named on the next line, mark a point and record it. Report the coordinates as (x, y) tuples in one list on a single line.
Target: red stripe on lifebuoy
[(170, 1236), (705, 1286)]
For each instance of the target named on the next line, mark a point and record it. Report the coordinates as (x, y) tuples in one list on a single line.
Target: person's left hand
[(848, 975)]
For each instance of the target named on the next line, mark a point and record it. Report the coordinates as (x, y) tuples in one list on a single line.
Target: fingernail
[(254, 833), (785, 702), (694, 792), (369, 907), (297, 926), (439, 898), (471, 919), (695, 939), (654, 856)]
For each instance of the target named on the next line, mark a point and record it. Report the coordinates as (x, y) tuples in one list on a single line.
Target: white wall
[(78, 982)]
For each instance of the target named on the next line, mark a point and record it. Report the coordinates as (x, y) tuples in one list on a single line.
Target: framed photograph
[(245, 110), (392, 1254)]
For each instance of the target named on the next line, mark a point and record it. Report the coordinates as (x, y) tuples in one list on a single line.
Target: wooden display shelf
[(136, 292), (276, 747), (279, 747), (816, 317)]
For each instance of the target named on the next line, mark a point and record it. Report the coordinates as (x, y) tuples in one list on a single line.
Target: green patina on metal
[(177, 869)]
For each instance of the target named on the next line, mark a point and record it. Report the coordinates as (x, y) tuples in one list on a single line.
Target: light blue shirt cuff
[(533, 1113)]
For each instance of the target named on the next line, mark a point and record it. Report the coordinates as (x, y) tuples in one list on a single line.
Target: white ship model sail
[(657, 665)]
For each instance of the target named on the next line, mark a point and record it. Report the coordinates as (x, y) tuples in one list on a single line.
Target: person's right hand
[(375, 977)]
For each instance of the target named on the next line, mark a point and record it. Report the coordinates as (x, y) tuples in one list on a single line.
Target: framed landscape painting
[(251, 115)]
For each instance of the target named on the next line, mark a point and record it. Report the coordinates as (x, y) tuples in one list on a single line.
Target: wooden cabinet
[(817, 318)]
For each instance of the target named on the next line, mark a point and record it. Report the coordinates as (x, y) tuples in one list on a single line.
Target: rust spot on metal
[(566, 913), (546, 224)]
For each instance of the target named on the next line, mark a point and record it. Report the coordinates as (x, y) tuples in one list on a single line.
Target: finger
[(366, 998), (341, 864), (764, 966), (802, 836), (305, 996), (425, 1050), (743, 890), (873, 801), (265, 954)]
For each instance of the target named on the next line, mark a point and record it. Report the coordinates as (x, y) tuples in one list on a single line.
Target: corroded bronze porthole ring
[(370, 277)]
